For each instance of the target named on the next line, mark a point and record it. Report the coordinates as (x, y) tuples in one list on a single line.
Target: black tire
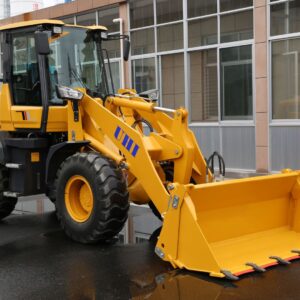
[(110, 198), (7, 204)]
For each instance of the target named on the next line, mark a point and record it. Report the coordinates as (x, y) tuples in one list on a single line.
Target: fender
[(57, 154)]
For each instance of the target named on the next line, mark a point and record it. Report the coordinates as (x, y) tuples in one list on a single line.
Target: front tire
[(91, 198), (7, 204)]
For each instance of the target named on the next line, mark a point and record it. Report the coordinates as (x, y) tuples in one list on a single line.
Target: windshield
[(76, 61)]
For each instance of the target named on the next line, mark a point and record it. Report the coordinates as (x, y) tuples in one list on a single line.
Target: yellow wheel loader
[(65, 132)]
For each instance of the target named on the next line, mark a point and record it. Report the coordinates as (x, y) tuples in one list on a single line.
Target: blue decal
[(135, 150), (127, 142), (126, 138), (117, 132)]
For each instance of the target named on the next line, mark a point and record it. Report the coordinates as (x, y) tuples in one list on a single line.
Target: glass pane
[(74, 62), (236, 83), (143, 74), (86, 19), (1, 60), (172, 80), (226, 5), (25, 71), (204, 86), (115, 74), (69, 20), (168, 10), (106, 17), (286, 79), (237, 26), (285, 18), (141, 13), (142, 41), (113, 48), (203, 32), (170, 37), (201, 7)]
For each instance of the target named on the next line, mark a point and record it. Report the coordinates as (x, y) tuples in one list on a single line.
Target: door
[(26, 108)]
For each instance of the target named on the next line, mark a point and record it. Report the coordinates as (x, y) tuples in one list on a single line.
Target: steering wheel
[(35, 85)]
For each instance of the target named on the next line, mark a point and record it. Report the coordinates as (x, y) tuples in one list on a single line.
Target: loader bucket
[(233, 227)]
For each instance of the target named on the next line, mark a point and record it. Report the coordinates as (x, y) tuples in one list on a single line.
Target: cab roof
[(46, 21)]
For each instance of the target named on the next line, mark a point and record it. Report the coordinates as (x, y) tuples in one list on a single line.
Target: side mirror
[(42, 43), (126, 48)]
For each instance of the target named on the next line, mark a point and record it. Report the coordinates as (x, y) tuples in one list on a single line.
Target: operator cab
[(40, 56)]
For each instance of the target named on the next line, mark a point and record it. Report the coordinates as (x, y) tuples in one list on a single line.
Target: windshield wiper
[(74, 73)]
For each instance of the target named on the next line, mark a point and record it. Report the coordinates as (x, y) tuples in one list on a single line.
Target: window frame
[(271, 39), (25, 31)]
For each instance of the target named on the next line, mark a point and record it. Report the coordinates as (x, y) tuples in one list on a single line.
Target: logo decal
[(126, 141), (25, 115)]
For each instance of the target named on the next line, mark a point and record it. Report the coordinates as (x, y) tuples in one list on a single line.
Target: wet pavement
[(38, 262)]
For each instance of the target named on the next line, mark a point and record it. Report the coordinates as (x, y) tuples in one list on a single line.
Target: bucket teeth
[(229, 275), (280, 260), (256, 267), (296, 251)]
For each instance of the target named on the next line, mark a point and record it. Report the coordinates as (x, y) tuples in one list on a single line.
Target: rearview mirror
[(42, 43), (126, 48)]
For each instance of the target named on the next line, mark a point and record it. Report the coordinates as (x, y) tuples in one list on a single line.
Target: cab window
[(25, 72)]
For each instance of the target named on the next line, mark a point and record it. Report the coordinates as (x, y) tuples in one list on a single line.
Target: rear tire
[(91, 198), (7, 204)]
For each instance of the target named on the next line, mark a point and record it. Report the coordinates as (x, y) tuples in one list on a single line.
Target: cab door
[(27, 109)]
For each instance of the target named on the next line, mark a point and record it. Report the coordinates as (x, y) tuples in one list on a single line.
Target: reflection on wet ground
[(39, 262)]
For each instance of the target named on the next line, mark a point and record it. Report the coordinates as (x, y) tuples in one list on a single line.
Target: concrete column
[(261, 83)]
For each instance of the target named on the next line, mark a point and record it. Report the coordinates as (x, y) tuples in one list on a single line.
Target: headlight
[(67, 93)]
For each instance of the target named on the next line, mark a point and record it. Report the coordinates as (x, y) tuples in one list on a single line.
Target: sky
[(51, 2)]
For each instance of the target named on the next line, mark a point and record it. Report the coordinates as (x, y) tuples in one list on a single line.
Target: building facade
[(234, 64)]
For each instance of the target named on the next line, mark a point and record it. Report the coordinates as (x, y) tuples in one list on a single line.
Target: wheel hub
[(79, 198)]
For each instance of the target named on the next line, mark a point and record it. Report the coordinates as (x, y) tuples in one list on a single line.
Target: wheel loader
[(65, 132)]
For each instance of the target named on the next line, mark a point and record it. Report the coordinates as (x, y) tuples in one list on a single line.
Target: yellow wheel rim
[(79, 198)]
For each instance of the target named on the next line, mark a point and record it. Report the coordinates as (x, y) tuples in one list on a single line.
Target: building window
[(86, 19), (285, 59), (157, 31), (285, 17), (201, 8), (236, 83), (106, 16), (68, 20), (113, 48), (168, 10), (237, 26), (203, 32), (170, 37), (172, 89), (226, 5), (143, 74), (204, 86), (286, 79), (141, 13), (142, 41)]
